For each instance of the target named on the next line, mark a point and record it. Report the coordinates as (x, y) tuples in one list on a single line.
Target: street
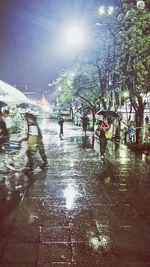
[(82, 211)]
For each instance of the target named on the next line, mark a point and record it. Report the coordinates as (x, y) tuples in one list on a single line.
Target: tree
[(101, 56), (79, 88), (65, 82), (86, 88), (133, 58)]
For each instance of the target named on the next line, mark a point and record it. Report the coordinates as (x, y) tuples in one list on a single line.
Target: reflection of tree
[(12, 191)]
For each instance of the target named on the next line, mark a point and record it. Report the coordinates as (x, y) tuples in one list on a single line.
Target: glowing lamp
[(74, 35), (140, 5)]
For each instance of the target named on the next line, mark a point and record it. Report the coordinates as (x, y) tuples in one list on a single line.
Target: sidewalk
[(82, 212)]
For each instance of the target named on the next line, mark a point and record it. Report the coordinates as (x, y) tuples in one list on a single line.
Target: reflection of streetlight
[(70, 194)]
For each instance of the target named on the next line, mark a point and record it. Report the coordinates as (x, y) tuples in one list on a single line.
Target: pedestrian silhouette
[(4, 134), (85, 122), (101, 133), (34, 142), (61, 130)]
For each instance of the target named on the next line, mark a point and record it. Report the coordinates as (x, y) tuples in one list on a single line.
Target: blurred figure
[(125, 133), (147, 120), (61, 122), (131, 131), (85, 122), (78, 118), (147, 133), (8, 120), (34, 142), (4, 135), (101, 133)]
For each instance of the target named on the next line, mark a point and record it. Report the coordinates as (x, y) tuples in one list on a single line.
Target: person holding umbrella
[(101, 133)]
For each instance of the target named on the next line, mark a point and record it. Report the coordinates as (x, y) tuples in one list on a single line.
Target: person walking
[(34, 142), (101, 133), (4, 134), (85, 122), (8, 120), (61, 122)]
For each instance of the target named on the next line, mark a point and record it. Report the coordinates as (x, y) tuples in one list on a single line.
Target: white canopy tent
[(11, 95)]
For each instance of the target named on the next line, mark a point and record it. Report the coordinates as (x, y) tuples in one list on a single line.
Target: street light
[(101, 10), (74, 35), (110, 10), (105, 10)]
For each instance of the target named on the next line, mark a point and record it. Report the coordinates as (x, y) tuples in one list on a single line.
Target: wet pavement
[(82, 211)]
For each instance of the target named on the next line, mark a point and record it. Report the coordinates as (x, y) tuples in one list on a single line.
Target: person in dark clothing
[(100, 132), (61, 122), (4, 135), (85, 122), (146, 120), (34, 142)]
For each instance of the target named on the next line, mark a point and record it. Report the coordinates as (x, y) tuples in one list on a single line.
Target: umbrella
[(64, 114), (2, 104), (23, 105), (108, 113)]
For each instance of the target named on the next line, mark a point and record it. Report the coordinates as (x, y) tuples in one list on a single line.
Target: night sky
[(31, 39)]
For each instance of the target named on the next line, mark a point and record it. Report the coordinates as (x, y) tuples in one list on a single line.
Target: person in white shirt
[(8, 120)]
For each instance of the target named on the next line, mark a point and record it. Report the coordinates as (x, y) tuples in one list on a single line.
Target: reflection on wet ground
[(84, 211)]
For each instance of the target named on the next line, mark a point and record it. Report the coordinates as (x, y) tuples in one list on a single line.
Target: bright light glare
[(110, 10), (126, 94), (101, 10), (70, 195), (74, 35), (123, 156), (105, 10), (101, 241)]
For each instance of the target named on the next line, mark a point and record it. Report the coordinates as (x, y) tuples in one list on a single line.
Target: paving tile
[(26, 233), (36, 190), (29, 212), (16, 253), (83, 231), (57, 264), (18, 265), (55, 234), (85, 254), (5, 231), (54, 252), (82, 212), (3, 245), (55, 216)]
